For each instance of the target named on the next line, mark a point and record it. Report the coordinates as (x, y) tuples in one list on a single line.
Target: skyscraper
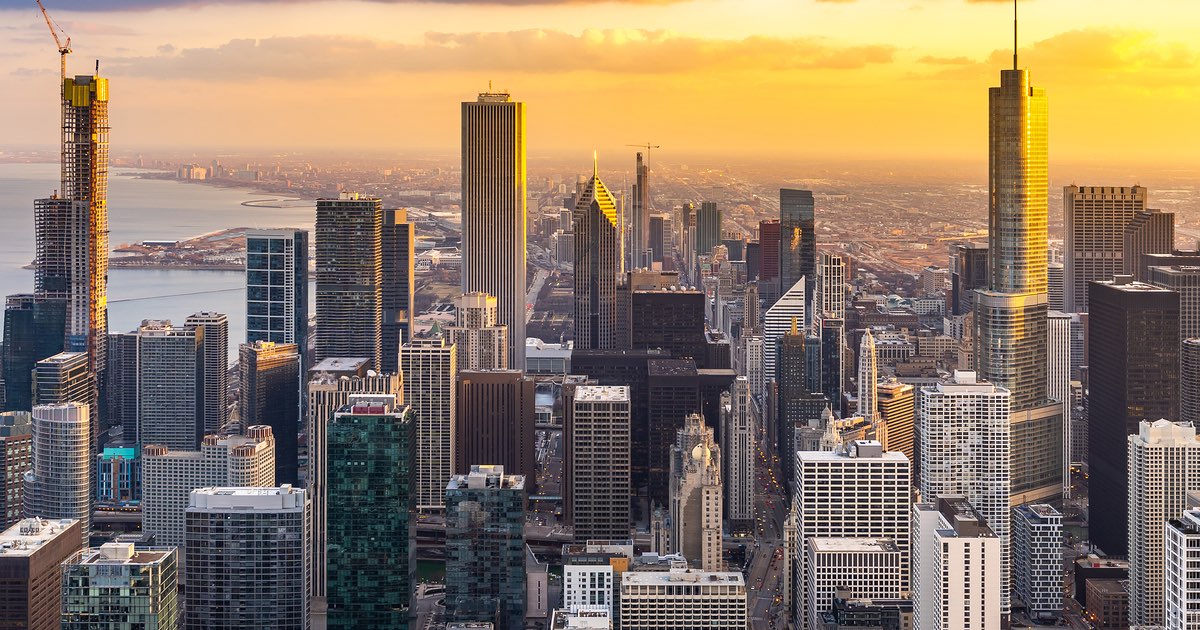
[(640, 238), (1182, 551), (968, 271), (495, 421), (1186, 282), (798, 242), (16, 452), (739, 453), (778, 320), (269, 373), (956, 571), (33, 330), (697, 496), (1094, 220), (1149, 232), (493, 210), (708, 228), (118, 586), (866, 568), (481, 343), (798, 407), (349, 233), (58, 484), (830, 294), (596, 439), (868, 376), (64, 378), (1133, 375), (215, 396), (430, 365), (1189, 381), (170, 377), (1037, 558), (398, 255), (31, 571), (657, 240), (370, 513), (277, 287), (1058, 381), (897, 410), (597, 264)]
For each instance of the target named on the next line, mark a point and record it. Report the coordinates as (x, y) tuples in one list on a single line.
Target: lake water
[(138, 210)]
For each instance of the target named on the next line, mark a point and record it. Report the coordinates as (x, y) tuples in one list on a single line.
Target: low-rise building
[(683, 598)]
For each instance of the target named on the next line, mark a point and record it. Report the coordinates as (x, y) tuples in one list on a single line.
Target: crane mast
[(64, 48)]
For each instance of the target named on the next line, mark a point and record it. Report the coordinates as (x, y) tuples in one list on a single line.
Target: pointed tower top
[(595, 163), (1015, 35), (795, 330)]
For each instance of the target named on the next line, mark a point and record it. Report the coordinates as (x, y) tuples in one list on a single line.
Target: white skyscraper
[(833, 489), (1164, 464), (482, 344), (868, 376), (830, 298), (965, 451), (170, 385), (58, 484), (1182, 554), (1058, 381), (866, 567), (597, 438), (956, 582), (696, 495), (753, 362), (777, 322), (1037, 558), (737, 449), (430, 368)]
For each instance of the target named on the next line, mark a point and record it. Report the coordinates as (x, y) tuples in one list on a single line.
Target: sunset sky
[(839, 79)]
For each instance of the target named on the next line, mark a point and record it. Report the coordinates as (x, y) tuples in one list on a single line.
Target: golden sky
[(803, 78)]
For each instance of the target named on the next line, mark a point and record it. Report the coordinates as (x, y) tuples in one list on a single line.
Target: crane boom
[(64, 48)]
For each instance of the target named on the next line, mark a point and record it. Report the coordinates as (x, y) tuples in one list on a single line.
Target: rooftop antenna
[(595, 163), (1015, 35)]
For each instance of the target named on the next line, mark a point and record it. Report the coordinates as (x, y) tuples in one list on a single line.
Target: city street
[(765, 578)]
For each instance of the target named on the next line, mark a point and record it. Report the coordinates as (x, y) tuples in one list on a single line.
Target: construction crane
[(647, 147), (64, 48)]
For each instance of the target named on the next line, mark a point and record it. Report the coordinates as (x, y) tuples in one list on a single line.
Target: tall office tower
[(670, 318), (1164, 466), (247, 558), (482, 344), (430, 365), (1056, 286), (657, 240), (493, 210), (1037, 559), (269, 372), (738, 448), (956, 571), (277, 287), (118, 586), (349, 233), (1149, 232), (968, 271), (830, 297), (1189, 381), (831, 488), (1094, 220), (1181, 549), (485, 547), (597, 483), (1058, 382), (168, 476), (30, 578), (708, 228), (696, 498), (684, 598), (832, 342), (370, 447), (597, 263), (331, 384), (966, 450), (63, 378), (170, 376), (754, 357), (798, 407), (798, 243), (58, 484), (769, 239), (16, 453), (1186, 282), (868, 376), (778, 320), (121, 384), (33, 330), (897, 410), (1133, 375), (216, 367), (640, 236), (1010, 314), (397, 257), (495, 421), (866, 568)]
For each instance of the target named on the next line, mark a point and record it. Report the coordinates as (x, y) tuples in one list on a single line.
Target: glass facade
[(136, 592), (277, 287)]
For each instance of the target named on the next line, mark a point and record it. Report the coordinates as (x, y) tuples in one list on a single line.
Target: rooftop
[(676, 576), (1039, 510), (1110, 587), (582, 619), (486, 476), (122, 554), (602, 393), (282, 498), (340, 364), (861, 545), (28, 535), (963, 519), (864, 454)]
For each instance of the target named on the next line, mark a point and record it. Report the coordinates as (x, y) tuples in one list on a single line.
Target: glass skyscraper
[(798, 243), (277, 287)]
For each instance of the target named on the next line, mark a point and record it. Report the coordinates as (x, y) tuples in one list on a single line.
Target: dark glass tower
[(398, 247), (277, 287), (349, 232), (798, 243), (33, 330), (269, 373)]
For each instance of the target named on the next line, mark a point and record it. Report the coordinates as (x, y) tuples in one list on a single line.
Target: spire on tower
[(1015, 35), (595, 163)]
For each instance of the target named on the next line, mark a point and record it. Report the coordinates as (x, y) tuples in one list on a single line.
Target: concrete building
[(956, 581), (493, 210), (1094, 221), (16, 458), (830, 294), (868, 376), (897, 412), (1186, 282), (349, 274), (777, 321), (1149, 232), (481, 343), (863, 567), (1058, 382), (65, 378), (738, 449), (1037, 540), (588, 618), (598, 234), (592, 571), (277, 287), (169, 476), (1181, 550), (31, 553), (431, 367), (696, 496), (397, 245), (1189, 381), (270, 395), (214, 395), (596, 438), (754, 363), (247, 558), (1164, 465), (495, 421), (170, 385), (683, 598), (117, 586), (59, 482)]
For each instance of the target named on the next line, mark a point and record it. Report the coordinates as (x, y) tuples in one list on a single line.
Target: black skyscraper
[(398, 249), (798, 242)]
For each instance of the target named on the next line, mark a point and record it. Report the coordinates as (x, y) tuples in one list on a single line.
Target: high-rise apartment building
[(370, 449), (684, 598), (956, 571), (1164, 466), (349, 273), (696, 496), (642, 243), (738, 449), (119, 586), (968, 271), (1149, 232), (897, 411), (16, 458), (215, 395), (493, 210), (169, 476), (481, 343), (1056, 286), (659, 238), (1186, 282), (798, 243), (121, 384), (1181, 550), (1094, 220), (868, 376), (485, 547), (966, 450), (597, 264), (753, 363), (596, 436), (831, 488), (31, 555), (495, 421), (592, 573), (66, 378), (170, 385), (1037, 536), (1058, 381), (430, 365), (830, 293), (1133, 375), (247, 558), (269, 396), (277, 287), (59, 482), (778, 320), (398, 259), (866, 568)]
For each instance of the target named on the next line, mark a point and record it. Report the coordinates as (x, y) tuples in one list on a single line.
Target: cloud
[(127, 5), (945, 61), (528, 51)]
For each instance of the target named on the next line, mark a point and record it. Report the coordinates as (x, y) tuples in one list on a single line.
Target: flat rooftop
[(859, 545), (677, 576), (28, 535), (602, 393), (121, 554), (484, 477)]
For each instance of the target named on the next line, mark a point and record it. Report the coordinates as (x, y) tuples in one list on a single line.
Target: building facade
[(683, 598), (431, 367), (31, 554), (59, 482), (495, 421), (16, 458), (1094, 221), (864, 567), (349, 274), (270, 373), (481, 343), (170, 372), (277, 287), (397, 260), (956, 581), (118, 586), (697, 496), (596, 436), (597, 265), (1037, 536), (214, 396), (1181, 550)]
